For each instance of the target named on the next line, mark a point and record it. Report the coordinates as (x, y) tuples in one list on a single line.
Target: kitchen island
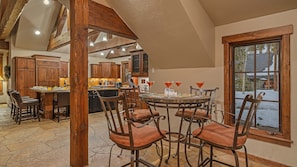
[(47, 96)]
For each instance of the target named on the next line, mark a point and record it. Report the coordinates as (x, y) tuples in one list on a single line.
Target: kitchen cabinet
[(47, 70), (105, 70), (94, 102), (126, 71), (23, 75), (64, 69), (116, 71), (96, 71), (139, 64)]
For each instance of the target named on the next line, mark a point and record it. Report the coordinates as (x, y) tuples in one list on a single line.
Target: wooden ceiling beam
[(105, 19), (61, 20), (111, 43), (4, 45), (119, 53), (59, 41), (10, 16), (93, 37)]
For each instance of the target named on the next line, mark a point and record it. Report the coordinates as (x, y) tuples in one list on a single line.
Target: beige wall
[(214, 77)]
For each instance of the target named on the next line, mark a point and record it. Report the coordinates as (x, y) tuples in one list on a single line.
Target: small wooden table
[(182, 102)]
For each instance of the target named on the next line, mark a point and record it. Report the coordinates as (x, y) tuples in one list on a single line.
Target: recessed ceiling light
[(91, 43), (112, 51), (46, 2), (104, 39), (102, 54), (123, 49), (37, 32)]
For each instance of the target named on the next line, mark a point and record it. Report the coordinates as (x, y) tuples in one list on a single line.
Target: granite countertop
[(61, 89)]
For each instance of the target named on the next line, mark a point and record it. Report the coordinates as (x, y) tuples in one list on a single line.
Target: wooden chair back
[(245, 116), (132, 97), (114, 116)]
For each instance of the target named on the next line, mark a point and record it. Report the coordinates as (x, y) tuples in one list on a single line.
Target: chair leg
[(58, 114), (132, 159), (236, 158), (110, 155), (211, 156), (161, 153), (246, 156)]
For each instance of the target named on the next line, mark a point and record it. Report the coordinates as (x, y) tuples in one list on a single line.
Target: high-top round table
[(174, 104)]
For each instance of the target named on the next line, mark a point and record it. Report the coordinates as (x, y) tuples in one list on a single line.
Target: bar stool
[(62, 100), (23, 107)]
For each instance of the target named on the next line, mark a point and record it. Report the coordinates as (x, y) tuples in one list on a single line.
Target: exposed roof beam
[(111, 43), (65, 3), (119, 53), (59, 41), (4, 45), (105, 19), (10, 16), (61, 20), (93, 37)]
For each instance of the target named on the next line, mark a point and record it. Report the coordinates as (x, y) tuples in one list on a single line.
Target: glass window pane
[(267, 116), (257, 70)]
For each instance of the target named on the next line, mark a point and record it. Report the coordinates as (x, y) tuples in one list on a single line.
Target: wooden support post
[(79, 83)]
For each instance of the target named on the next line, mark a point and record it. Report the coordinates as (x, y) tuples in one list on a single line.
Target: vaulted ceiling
[(176, 34)]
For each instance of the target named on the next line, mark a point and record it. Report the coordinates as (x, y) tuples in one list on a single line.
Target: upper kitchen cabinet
[(96, 70), (105, 70), (116, 70), (23, 75), (139, 64), (64, 69), (47, 70)]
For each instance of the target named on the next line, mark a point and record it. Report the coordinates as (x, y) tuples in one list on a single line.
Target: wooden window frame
[(283, 33)]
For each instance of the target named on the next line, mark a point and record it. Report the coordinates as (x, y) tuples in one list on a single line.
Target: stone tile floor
[(46, 144)]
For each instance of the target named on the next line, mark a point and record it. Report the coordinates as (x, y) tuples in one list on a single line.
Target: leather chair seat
[(140, 115), (188, 114), (142, 137), (219, 135)]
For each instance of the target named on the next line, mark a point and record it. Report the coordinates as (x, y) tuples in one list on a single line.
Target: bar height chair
[(217, 135), (23, 107), (130, 135), (62, 100), (136, 111)]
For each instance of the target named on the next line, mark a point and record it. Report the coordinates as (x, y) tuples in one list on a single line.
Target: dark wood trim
[(79, 83), (4, 45), (256, 35), (10, 16), (108, 21), (282, 33), (111, 43)]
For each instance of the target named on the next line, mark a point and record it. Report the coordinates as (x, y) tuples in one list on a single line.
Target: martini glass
[(178, 83), (167, 89), (150, 84), (200, 84), (168, 84)]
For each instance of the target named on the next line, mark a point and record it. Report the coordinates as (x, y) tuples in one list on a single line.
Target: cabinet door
[(140, 64), (52, 75), (116, 70), (96, 71), (144, 68), (63, 69), (106, 69), (135, 65), (30, 82)]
